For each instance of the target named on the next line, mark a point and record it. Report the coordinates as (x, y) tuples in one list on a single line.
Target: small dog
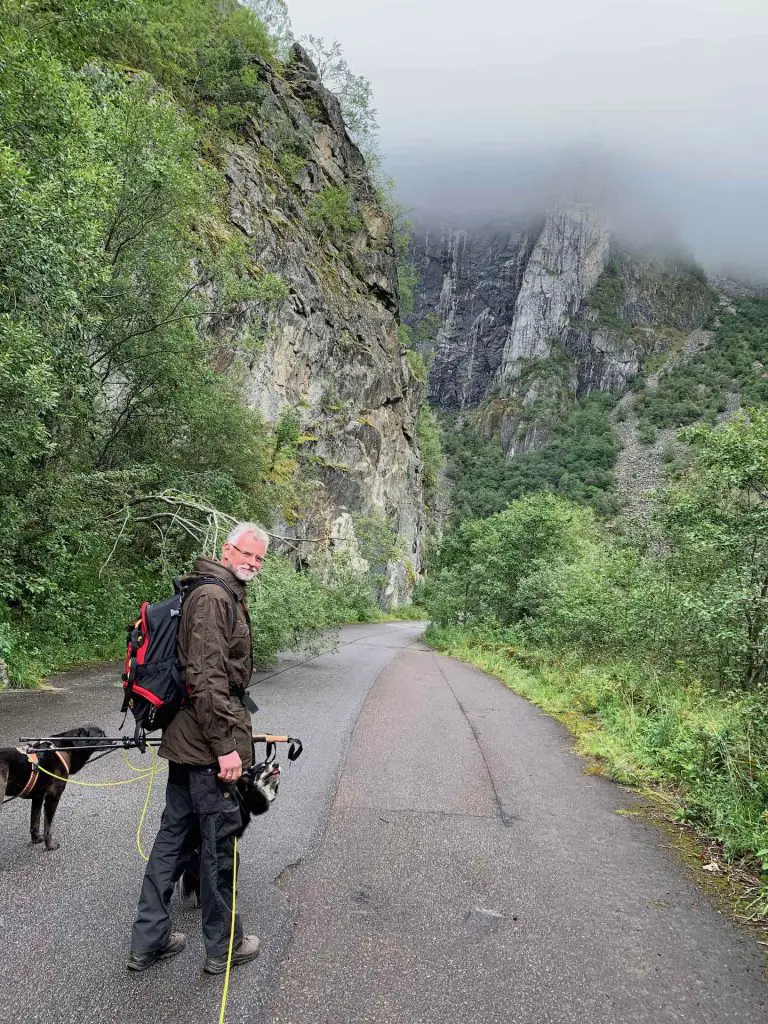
[(20, 778), (255, 790)]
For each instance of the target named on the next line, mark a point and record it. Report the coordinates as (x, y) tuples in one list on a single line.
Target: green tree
[(715, 520), (482, 564), (354, 92)]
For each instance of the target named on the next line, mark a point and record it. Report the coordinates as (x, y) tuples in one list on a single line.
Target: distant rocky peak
[(569, 256), (528, 316)]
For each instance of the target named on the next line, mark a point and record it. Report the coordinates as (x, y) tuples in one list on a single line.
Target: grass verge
[(700, 756)]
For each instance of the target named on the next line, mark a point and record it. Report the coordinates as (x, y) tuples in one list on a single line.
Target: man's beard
[(246, 575)]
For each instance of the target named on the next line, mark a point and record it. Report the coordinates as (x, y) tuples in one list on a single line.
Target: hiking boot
[(140, 961), (247, 950)]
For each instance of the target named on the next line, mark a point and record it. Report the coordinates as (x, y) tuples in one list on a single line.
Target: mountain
[(199, 324), (519, 319), (331, 349)]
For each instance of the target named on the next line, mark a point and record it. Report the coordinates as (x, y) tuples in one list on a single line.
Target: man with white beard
[(208, 745)]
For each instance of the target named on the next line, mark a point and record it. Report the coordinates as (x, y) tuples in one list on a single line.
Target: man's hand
[(230, 767)]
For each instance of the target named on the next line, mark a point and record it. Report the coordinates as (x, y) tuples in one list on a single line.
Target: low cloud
[(658, 105), (722, 220)]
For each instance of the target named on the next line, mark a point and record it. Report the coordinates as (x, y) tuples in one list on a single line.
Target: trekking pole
[(102, 743)]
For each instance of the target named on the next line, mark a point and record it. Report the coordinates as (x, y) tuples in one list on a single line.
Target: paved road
[(68, 913), (453, 864)]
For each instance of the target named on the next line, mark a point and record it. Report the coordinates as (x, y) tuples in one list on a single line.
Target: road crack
[(506, 818)]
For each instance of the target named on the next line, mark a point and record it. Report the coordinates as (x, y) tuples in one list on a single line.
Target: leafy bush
[(377, 540), (416, 365), (349, 589), (430, 448), (483, 562), (291, 163), (647, 433), (289, 609), (333, 213)]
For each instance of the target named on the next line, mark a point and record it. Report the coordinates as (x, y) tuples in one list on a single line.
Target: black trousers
[(200, 811)]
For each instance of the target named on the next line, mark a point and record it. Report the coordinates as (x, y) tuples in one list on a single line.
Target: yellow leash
[(145, 773), (231, 940), (153, 769), (149, 773)]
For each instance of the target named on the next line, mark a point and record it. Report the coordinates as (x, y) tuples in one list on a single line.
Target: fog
[(488, 107)]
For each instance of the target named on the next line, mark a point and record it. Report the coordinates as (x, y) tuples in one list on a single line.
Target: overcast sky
[(477, 100)]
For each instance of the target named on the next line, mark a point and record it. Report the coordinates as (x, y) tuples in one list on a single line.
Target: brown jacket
[(217, 661)]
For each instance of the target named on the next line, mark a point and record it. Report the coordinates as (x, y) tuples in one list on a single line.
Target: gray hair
[(258, 532)]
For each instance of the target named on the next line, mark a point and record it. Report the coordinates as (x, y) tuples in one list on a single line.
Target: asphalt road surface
[(436, 856)]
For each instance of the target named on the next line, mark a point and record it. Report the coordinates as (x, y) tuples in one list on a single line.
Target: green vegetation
[(333, 213), (675, 285), (416, 365), (377, 539), (606, 300), (697, 387), (407, 275), (576, 462), (119, 284), (291, 163), (430, 445), (659, 640)]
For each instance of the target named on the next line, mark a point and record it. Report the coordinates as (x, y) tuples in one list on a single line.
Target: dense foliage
[(698, 386), (661, 637), (118, 278), (576, 462)]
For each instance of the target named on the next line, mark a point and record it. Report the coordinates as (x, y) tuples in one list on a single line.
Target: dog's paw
[(51, 845), (36, 839)]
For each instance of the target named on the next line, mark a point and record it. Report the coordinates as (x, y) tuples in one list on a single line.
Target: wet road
[(436, 856), (66, 915)]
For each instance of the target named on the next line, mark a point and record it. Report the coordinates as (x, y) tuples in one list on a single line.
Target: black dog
[(21, 778), (255, 790)]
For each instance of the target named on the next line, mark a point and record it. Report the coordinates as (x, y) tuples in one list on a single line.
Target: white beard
[(246, 575)]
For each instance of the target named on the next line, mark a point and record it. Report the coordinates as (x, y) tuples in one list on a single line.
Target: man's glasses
[(258, 559)]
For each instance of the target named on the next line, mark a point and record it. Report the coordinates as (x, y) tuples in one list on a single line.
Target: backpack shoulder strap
[(202, 581)]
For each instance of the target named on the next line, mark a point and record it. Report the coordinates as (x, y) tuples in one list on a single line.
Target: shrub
[(416, 365), (291, 164), (333, 214), (430, 448), (647, 433)]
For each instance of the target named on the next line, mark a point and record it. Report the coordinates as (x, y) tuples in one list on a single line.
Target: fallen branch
[(206, 525)]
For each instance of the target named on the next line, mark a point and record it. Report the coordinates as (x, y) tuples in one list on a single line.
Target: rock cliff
[(328, 346), (518, 321)]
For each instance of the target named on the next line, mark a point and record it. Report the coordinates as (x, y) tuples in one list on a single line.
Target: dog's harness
[(34, 770), (34, 774)]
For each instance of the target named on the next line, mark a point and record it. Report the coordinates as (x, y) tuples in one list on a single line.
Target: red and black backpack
[(153, 680)]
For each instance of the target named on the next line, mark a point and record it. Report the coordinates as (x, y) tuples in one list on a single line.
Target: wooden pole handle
[(265, 737)]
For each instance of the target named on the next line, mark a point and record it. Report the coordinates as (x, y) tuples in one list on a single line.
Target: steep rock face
[(329, 349), (527, 319), (568, 258), (468, 286)]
